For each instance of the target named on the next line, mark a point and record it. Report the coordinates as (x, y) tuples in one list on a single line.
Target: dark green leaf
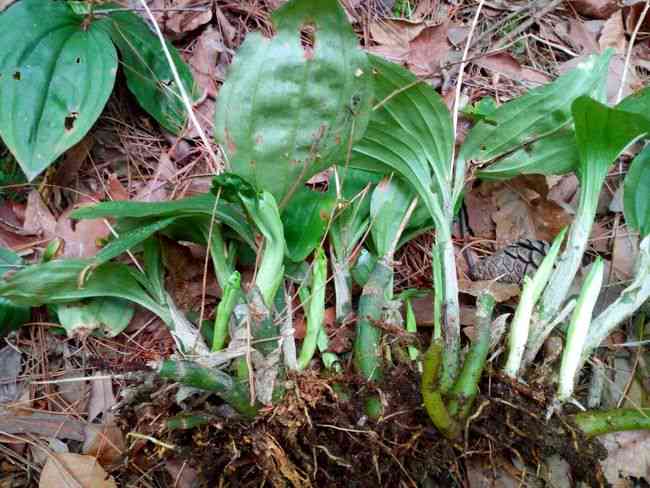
[(55, 78), (636, 193), (539, 112), (148, 75), (11, 316), (638, 102), (286, 110), (555, 154), (305, 221)]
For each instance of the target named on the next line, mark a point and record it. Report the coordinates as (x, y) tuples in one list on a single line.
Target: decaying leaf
[(190, 15), (68, 469), (105, 442), (597, 9), (507, 65)]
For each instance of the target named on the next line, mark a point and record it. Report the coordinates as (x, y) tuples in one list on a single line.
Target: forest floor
[(315, 437)]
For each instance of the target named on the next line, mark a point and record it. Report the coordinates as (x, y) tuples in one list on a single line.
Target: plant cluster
[(289, 110)]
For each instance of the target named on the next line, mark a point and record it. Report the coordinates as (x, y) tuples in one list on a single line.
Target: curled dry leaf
[(205, 58), (38, 218), (626, 250), (67, 469), (501, 292), (190, 15), (613, 34), (104, 442), (81, 238)]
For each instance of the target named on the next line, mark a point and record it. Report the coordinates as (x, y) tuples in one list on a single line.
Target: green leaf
[(636, 193), (74, 279), (9, 260), (11, 316), (148, 75), (103, 316), (638, 102), (602, 133), (305, 220), (388, 208), (539, 112), (286, 110), (556, 154), (408, 106), (55, 78), (201, 205)]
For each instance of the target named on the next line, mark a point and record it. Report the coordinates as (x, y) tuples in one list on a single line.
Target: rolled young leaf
[(636, 193), (313, 302), (229, 298)]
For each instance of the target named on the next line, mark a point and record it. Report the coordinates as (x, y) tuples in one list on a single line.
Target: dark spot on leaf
[(70, 120), (483, 147), (78, 60), (17, 75), (308, 40)]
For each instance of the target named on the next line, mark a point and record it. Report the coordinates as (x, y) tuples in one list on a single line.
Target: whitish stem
[(630, 300), (451, 310)]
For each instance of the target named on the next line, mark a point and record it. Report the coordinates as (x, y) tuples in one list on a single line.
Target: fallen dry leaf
[(81, 238), (501, 292), (43, 424), (626, 250), (184, 475), (105, 442), (68, 469), (204, 59), (628, 455), (480, 207), (596, 9), (101, 396), (187, 20), (428, 50), (73, 159), (395, 32), (115, 189), (156, 188), (613, 34), (506, 64), (38, 218), (582, 38)]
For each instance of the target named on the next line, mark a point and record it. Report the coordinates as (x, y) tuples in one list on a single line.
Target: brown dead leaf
[(501, 292), (523, 214), (229, 31), (599, 238), (181, 21), (104, 442), (73, 159), (582, 38), (43, 424), (626, 250), (184, 475), (628, 455), (428, 50), (456, 34), (81, 238), (596, 9), (101, 397), (480, 207), (613, 34), (38, 218), (506, 64), (115, 189), (395, 32), (156, 188), (204, 59), (68, 469)]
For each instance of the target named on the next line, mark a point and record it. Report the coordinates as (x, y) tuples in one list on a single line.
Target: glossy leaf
[(148, 74), (636, 193), (306, 220), (638, 102), (103, 316), (537, 113), (55, 78), (286, 109), (556, 154)]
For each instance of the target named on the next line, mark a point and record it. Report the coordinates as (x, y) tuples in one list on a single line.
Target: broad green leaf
[(286, 110), (56, 75), (388, 208), (201, 205), (405, 104), (636, 193), (75, 279), (555, 154), (306, 219), (638, 102), (103, 316), (602, 133), (8, 260), (148, 75), (539, 112)]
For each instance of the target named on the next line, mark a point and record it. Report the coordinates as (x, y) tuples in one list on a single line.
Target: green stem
[(431, 395), (367, 353), (466, 388), (314, 305), (230, 297), (214, 380), (595, 422)]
